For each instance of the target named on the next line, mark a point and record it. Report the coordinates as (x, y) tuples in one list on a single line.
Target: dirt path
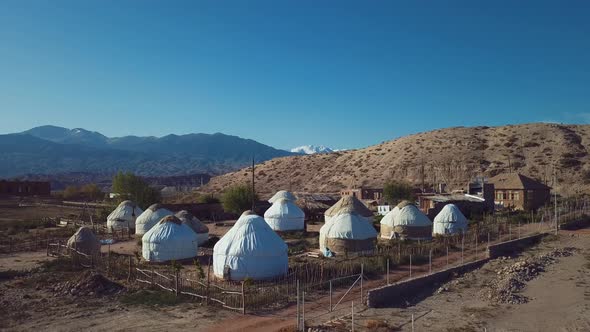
[(22, 261), (559, 299)]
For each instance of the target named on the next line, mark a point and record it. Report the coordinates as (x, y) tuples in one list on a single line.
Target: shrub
[(238, 199)]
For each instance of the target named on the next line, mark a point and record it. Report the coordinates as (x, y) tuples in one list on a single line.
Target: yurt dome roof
[(284, 208), (349, 204), (450, 213), (282, 194), (193, 222), (410, 215)]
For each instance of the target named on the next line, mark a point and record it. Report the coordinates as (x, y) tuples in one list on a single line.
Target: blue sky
[(287, 73)]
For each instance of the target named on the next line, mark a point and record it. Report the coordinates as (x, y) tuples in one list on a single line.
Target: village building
[(364, 194), (469, 205), (24, 188), (519, 192)]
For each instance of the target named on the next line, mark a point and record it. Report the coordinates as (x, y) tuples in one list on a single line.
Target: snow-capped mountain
[(311, 149)]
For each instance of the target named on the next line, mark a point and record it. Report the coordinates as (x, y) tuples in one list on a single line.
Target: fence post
[(208, 282), (243, 300), (47, 248), (330, 295), (352, 316), (176, 282), (430, 261), (410, 265), (447, 256), (129, 269), (303, 310), (462, 247), (476, 238), (362, 274), (387, 270), (298, 314)]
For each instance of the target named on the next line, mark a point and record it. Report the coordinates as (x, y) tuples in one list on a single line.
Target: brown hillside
[(452, 156)]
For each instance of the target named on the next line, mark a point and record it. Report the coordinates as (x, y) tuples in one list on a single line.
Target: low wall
[(510, 247), (399, 292), (576, 224), (402, 291)]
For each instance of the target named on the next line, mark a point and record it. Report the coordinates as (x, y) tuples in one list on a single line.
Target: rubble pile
[(88, 283), (512, 279)]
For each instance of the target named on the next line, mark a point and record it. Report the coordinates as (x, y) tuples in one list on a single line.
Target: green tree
[(132, 187), (207, 199), (92, 192), (237, 199), (71, 192), (396, 191)]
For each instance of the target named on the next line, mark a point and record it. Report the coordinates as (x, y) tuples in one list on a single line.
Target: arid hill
[(452, 156)]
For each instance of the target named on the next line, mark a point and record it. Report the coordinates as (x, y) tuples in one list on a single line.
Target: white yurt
[(123, 216), (347, 204), (168, 240), (285, 216), (349, 233), (410, 223), (250, 249), (282, 194), (150, 217), (195, 224), (84, 241), (449, 220), (387, 223)]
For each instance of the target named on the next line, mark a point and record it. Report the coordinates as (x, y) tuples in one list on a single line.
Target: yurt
[(387, 223), (347, 204), (195, 224), (84, 241), (150, 217), (282, 194), (170, 239), (449, 220), (123, 216), (348, 233), (285, 216), (410, 223), (250, 249)]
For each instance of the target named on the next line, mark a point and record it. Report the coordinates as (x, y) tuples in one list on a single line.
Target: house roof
[(516, 181), (453, 198)]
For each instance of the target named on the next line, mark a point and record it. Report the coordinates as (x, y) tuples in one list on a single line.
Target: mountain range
[(56, 150), (452, 156), (311, 149)]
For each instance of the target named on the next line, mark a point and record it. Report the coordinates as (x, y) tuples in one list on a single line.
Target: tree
[(395, 191), (237, 199), (132, 187), (71, 192), (207, 199), (92, 192)]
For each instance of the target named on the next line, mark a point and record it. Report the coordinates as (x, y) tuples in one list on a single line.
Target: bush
[(207, 199), (396, 191), (238, 199)]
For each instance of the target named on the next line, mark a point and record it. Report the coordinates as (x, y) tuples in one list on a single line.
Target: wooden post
[(388, 271), (208, 281), (447, 256), (176, 282), (330, 295), (362, 273), (410, 265), (476, 236), (352, 316), (298, 312), (462, 247), (129, 269), (430, 262), (303, 310), (243, 300)]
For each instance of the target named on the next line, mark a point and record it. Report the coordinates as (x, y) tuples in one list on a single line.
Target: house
[(519, 192), (24, 188), (364, 194), (483, 189), (469, 205)]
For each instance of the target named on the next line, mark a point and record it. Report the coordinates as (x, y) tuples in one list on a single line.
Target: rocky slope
[(452, 156)]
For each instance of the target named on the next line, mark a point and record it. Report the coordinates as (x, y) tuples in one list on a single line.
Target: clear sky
[(287, 73)]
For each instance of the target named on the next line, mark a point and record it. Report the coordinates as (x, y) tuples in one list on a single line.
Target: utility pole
[(253, 189), (555, 198)]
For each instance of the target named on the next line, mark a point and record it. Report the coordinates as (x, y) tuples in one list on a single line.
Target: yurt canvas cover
[(250, 249), (123, 216), (285, 216), (282, 194), (387, 223), (150, 217), (84, 241), (449, 220), (195, 224), (347, 204), (349, 233), (411, 223), (168, 240)]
